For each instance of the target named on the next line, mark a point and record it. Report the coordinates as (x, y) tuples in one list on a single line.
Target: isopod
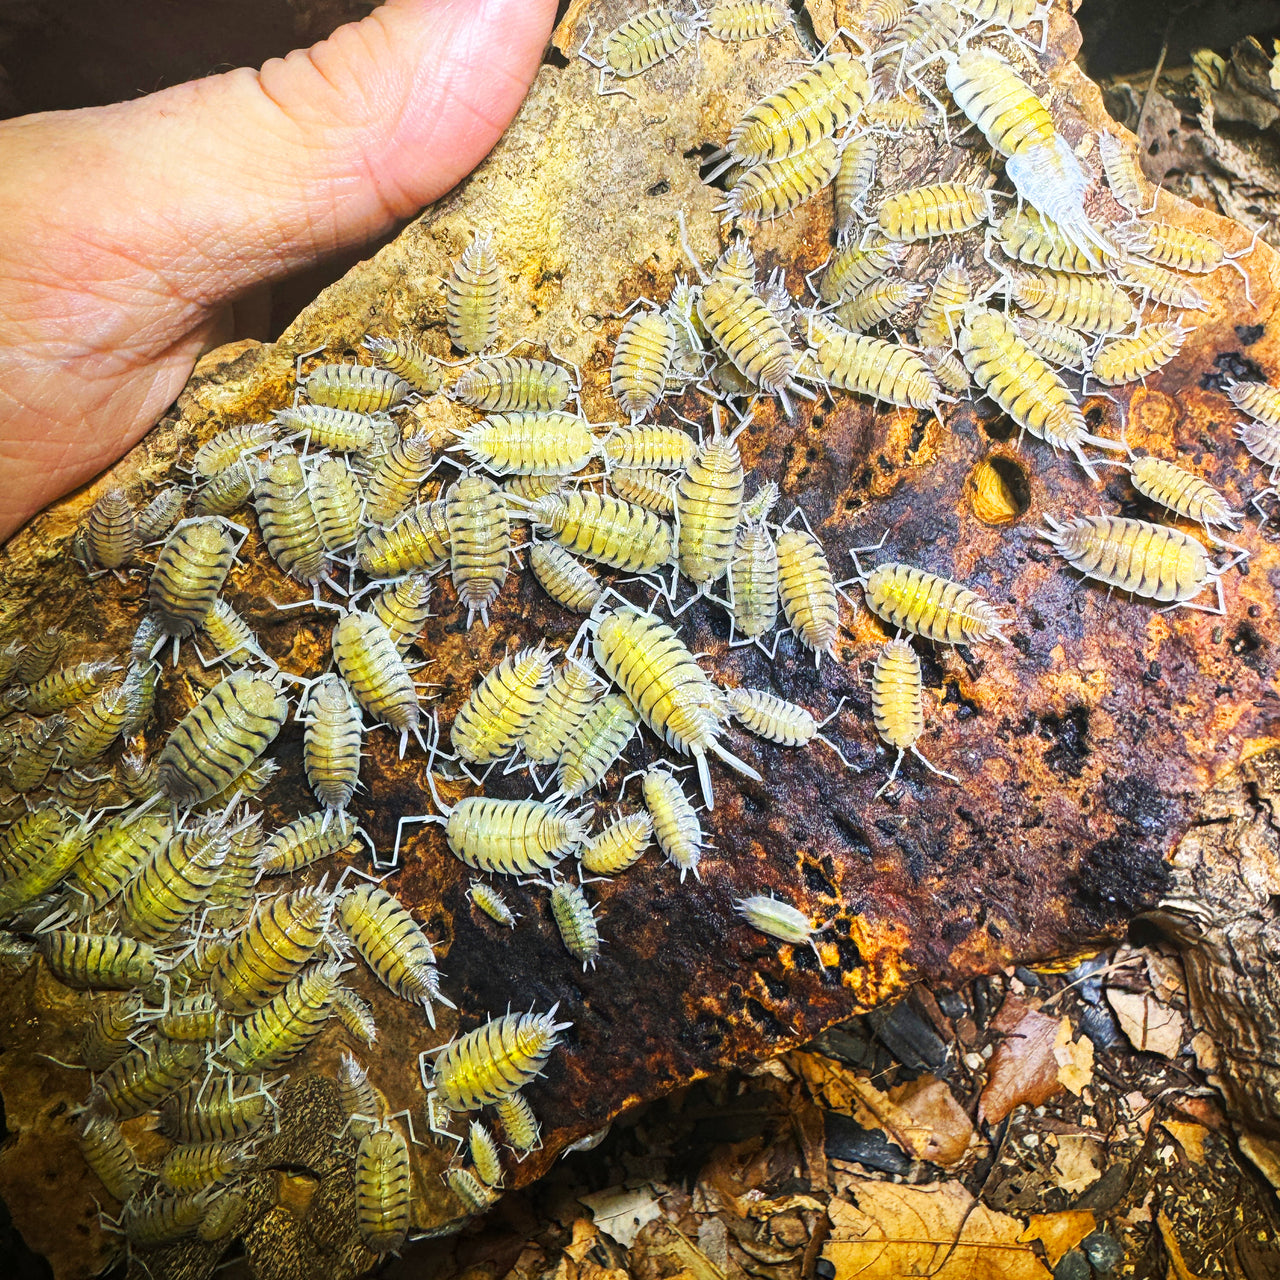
[(65, 687), (1181, 248), (501, 707), (479, 527), (877, 303), (359, 388), (778, 187), (384, 1190), (174, 883), (1088, 303), (117, 853), (473, 296), (491, 902), (213, 1111), (803, 114), (570, 584), (189, 573), (280, 939), (527, 442), (951, 292), (111, 532), (807, 591), (853, 180), (356, 1014), (897, 704), (641, 362), (158, 516), (233, 445), (220, 737), (618, 846), (605, 529), (651, 665), (1177, 489), (202, 1164), (403, 356), (1029, 237), (110, 1033), (568, 700), (484, 1154), (143, 1078), (223, 1216), (656, 448), (493, 1061), (927, 604), (851, 269), (368, 660), (519, 1124), (708, 507), (225, 493), (1053, 342), (771, 717), (278, 1031), (944, 208), (1148, 560), (306, 840), (403, 608), (287, 521), (195, 1017), (357, 1097), (396, 476), (338, 501), (232, 637), (108, 961), (506, 383), (1158, 284), (393, 945), (654, 490), (751, 336), (753, 578), (746, 19), (1124, 175), (511, 837), (417, 543), (576, 922), (110, 1157), (1132, 359), (778, 919), (154, 1220), (600, 738), (1024, 386), (675, 824), (341, 430), (1259, 400), (872, 367)]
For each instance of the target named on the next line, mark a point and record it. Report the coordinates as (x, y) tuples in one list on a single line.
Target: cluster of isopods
[(219, 980)]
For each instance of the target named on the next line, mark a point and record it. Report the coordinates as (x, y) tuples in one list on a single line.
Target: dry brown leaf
[(931, 1124), (585, 1237), (1074, 1059), (830, 1083), (936, 1231), (1151, 1026), (1178, 1269), (1059, 1232), (620, 1212), (1078, 1163), (1023, 1068), (1190, 1137)]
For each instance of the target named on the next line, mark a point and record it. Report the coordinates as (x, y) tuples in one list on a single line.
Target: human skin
[(130, 230)]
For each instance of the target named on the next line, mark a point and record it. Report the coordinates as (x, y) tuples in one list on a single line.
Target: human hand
[(129, 230)]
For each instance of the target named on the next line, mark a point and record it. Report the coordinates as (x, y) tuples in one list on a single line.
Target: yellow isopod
[(396, 477), (226, 492), (107, 961), (417, 543), (278, 942), (145, 1077), (878, 302), (1031, 238), (278, 1031), (111, 532), (951, 292), (368, 660), (473, 296), (1088, 303), (853, 181), (941, 209), (800, 116), (778, 187), (1128, 183), (1024, 386), (403, 356), (872, 367), (201, 1165), (657, 448), (605, 529), (675, 824), (231, 446), (641, 362), (753, 578), (569, 698), (403, 608), (897, 704), (62, 688), (653, 490), (853, 268), (189, 573), (110, 1157), (642, 42), (288, 523), (1158, 284), (746, 19), (595, 745), (519, 1124), (619, 846), (1181, 248), (708, 508), (927, 604), (494, 718), (475, 511), (649, 662), (529, 442), (1149, 560), (570, 584), (506, 383), (116, 854), (174, 883), (1053, 342), (220, 737), (807, 590), (1131, 359), (359, 388), (751, 336), (357, 1096), (384, 1190), (896, 115), (1179, 490)]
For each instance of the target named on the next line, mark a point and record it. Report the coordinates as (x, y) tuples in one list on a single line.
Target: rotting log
[(1088, 748)]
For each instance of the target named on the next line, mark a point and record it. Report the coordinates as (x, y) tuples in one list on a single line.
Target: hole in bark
[(1002, 428), (1000, 491)]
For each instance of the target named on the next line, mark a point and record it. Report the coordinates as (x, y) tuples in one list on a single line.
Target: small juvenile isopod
[(220, 737), (642, 42), (403, 608), (951, 292), (144, 1077), (232, 637), (225, 493), (872, 367), (1128, 183), (753, 578), (359, 388), (491, 902), (194, 1017), (850, 269), (746, 19), (109, 1034), (897, 704), (356, 1014), (853, 181), (338, 501), (484, 1154), (883, 15), (519, 1124), (618, 846), (306, 840), (506, 383), (65, 687), (476, 516), (641, 362), (774, 718), (202, 1164), (778, 919), (357, 1097), (1031, 238), (751, 336), (570, 584), (396, 475), (158, 516), (117, 853), (403, 355), (569, 698), (214, 1111), (576, 921), (341, 430), (675, 824), (473, 295), (110, 1157), (1053, 342), (878, 302), (501, 707), (1181, 248), (1158, 284), (331, 741)]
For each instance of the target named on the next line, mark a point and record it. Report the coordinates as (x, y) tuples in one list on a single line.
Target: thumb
[(128, 228)]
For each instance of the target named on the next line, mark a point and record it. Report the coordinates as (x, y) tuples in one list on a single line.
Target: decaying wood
[(1086, 747)]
